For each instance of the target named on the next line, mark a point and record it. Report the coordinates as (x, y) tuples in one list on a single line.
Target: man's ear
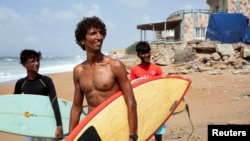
[(82, 42), (138, 54)]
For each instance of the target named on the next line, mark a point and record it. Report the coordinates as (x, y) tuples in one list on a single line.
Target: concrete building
[(187, 25), (180, 27), (230, 6)]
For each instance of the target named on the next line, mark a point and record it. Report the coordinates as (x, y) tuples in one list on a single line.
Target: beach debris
[(215, 72), (245, 93)]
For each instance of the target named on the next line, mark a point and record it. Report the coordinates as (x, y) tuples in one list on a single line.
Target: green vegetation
[(131, 49)]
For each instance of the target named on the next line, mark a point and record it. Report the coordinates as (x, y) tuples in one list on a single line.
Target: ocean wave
[(11, 69)]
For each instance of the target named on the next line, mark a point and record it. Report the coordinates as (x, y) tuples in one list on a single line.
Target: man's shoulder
[(155, 65), (45, 77), (136, 66), (21, 80), (114, 62)]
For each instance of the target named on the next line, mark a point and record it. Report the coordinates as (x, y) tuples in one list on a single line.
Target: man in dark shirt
[(35, 83)]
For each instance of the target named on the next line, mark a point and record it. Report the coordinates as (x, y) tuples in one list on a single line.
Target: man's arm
[(18, 86), (132, 74), (54, 102), (126, 88), (76, 108)]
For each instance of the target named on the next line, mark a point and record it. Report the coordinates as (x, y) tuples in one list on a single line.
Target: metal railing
[(190, 11)]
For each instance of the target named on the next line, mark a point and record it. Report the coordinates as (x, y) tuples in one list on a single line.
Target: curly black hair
[(143, 46), (28, 53), (84, 25)]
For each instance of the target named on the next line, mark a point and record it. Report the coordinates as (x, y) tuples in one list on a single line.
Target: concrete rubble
[(200, 56)]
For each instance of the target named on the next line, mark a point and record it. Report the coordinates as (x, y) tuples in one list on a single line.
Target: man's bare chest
[(101, 79)]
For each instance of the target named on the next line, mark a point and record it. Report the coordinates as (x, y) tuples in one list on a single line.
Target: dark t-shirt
[(41, 85)]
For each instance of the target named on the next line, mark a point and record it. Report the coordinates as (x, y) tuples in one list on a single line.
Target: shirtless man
[(100, 76)]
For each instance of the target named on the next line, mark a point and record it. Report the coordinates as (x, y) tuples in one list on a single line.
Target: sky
[(48, 25)]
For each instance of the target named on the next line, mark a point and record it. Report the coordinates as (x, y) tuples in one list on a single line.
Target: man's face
[(144, 56), (94, 39), (32, 64)]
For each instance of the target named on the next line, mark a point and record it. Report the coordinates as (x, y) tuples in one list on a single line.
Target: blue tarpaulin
[(227, 27)]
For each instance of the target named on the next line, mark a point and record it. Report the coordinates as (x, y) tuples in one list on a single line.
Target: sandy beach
[(212, 99)]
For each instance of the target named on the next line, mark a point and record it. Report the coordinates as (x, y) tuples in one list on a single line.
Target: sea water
[(11, 69)]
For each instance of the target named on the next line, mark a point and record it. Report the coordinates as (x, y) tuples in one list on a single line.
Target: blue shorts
[(26, 138), (162, 130)]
